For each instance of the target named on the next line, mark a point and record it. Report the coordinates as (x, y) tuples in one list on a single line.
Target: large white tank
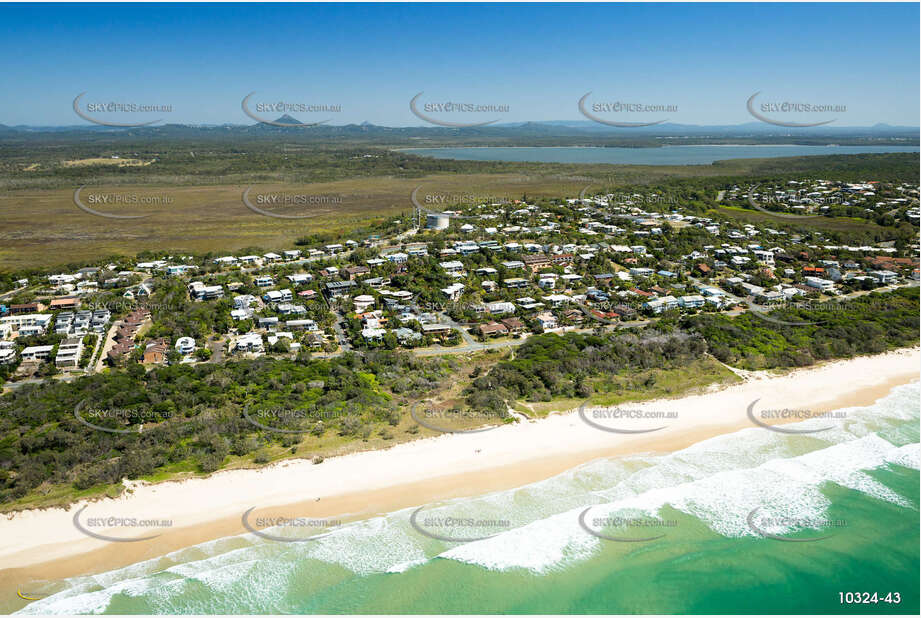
[(437, 221)]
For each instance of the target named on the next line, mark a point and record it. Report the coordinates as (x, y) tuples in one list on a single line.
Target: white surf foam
[(718, 481)]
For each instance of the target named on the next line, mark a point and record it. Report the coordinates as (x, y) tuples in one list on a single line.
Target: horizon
[(559, 123), (699, 64)]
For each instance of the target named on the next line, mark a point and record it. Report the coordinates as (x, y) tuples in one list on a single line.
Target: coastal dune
[(41, 545)]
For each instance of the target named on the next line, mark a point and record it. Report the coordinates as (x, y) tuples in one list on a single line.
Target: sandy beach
[(45, 544)]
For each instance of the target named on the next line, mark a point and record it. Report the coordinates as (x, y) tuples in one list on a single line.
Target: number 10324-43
[(853, 598)]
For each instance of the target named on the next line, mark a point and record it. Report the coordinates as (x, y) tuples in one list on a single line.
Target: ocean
[(666, 155), (756, 521)]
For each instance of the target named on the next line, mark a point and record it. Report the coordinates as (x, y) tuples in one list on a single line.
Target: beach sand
[(44, 545)]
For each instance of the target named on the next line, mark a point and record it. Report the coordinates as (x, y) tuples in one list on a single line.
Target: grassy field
[(828, 224), (46, 228), (197, 205)]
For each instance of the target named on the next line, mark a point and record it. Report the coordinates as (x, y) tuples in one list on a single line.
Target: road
[(67, 377), (6, 295), (106, 344), (444, 318), (217, 350), (470, 348), (474, 346)]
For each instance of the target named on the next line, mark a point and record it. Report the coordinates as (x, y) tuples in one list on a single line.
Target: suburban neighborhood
[(457, 281)]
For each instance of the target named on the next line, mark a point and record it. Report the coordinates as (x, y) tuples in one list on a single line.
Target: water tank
[(437, 221)]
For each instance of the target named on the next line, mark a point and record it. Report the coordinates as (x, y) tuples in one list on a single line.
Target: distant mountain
[(547, 133), (589, 126), (286, 119)]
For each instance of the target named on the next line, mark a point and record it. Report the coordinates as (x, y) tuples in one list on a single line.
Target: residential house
[(691, 301), (546, 320), (823, 285), (36, 353), (155, 352), (883, 276), (493, 329)]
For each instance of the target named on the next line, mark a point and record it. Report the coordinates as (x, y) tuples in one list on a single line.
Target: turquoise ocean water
[(852, 492)]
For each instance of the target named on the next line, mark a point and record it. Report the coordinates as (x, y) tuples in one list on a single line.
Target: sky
[(533, 62)]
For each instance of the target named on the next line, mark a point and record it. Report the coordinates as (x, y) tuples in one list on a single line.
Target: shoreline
[(599, 147), (44, 545)]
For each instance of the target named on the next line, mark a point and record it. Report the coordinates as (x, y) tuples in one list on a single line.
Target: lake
[(666, 155)]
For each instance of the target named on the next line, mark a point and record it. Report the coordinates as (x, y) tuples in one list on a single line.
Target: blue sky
[(538, 59)]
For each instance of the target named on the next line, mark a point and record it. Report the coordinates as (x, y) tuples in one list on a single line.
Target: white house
[(883, 276), (250, 342), (453, 291), (185, 345), (373, 334), (69, 352), (765, 257), (557, 300), (452, 267), (244, 301), (823, 285), (39, 321), (691, 301), (200, 291), (36, 352), (7, 352), (363, 302), (546, 320), (500, 307), (300, 279)]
